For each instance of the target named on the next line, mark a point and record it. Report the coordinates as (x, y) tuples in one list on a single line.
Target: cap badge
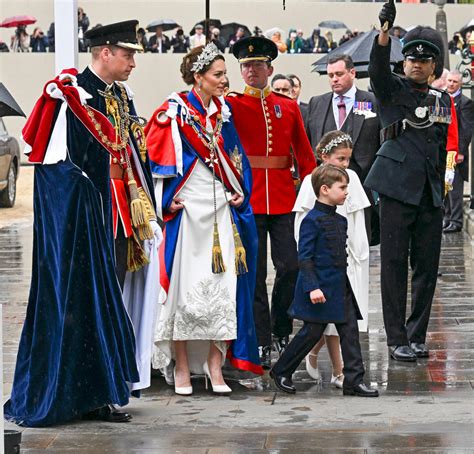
[(251, 48), (419, 48)]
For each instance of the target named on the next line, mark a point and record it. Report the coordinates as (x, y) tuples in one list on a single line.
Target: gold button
[(265, 102), (270, 128), (270, 149), (270, 142), (266, 107), (269, 121), (268, 114), (115, 160), (270, 135)]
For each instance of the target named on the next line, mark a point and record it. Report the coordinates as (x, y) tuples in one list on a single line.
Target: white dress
[(357, 242), (201, 306)]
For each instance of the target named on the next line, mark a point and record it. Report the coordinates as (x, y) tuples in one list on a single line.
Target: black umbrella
[(212, 23), (227, 30), (8, 106), (469, 27), (359, 49), (165, 24), (334, 24)]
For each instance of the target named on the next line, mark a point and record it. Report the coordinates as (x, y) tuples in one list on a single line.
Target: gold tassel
[(137, 207), (240, 254), (136, 257), (217, 259)]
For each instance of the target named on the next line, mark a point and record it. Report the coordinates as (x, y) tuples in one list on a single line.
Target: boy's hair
[(327, 174), (332, 141)]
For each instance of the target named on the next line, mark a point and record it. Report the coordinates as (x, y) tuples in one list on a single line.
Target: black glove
[(387, 15)]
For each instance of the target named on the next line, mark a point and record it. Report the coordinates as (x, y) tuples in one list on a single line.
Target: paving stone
[(426, 407)]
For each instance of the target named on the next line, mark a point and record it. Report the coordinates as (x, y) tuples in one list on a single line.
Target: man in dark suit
[(296, 95), (351, 110), (453, 206), (159, 43)]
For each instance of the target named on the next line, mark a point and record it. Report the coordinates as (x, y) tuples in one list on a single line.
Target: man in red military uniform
[(270, 128)]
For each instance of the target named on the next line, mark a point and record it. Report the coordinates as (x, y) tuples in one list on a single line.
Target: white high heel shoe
[(313, 372), (337, 380), (181, 390), (217, 389)]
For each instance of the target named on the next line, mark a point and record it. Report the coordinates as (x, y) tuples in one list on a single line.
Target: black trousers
[(408, 232), (453, 212), (285, 259), (308, 336)]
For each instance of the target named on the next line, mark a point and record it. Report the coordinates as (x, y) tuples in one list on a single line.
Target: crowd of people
[(157, 41), (151, 238)]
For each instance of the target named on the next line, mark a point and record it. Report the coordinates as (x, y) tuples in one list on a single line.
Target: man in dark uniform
[(409, 174), (270, 127)]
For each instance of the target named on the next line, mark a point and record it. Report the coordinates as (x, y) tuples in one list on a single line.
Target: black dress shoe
[(452, 228), (280, 343), (265, 354), (361, 390), (420, 350), (283, 383), (446, 223), (107, 413), (402, 353)]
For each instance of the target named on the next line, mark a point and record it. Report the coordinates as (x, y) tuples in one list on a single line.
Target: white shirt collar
[(456, 93), (348, 94)]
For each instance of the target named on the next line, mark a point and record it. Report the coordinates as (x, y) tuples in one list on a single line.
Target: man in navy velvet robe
[(77, 350)]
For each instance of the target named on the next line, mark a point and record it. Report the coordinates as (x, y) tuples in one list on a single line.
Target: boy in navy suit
[(323, 294)]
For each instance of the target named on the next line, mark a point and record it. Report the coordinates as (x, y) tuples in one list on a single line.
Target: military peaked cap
[(422, 42), (122, 34), (255, 48)]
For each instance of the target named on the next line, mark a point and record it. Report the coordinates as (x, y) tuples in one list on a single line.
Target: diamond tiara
[(206, 57), (335, 142)]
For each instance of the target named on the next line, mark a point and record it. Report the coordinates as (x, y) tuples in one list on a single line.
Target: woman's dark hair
[(327, 138), (188, 61)]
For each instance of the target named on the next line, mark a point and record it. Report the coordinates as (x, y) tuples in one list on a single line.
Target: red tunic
[(270, 126)]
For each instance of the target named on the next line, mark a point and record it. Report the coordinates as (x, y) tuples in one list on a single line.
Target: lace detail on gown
[(208, 314)]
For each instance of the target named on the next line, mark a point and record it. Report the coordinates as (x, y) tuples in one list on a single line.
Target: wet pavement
[(426, 407)]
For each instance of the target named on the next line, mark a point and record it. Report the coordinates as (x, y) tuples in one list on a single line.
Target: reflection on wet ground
[(424, 407)]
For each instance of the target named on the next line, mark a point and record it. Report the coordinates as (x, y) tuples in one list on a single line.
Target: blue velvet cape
[(243, 353), (77, 346)]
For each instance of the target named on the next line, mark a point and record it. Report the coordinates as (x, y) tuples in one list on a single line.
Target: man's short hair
[(282, 77), (347, 59), (96, 50), (294, 76), (327, 174), (455, 72)]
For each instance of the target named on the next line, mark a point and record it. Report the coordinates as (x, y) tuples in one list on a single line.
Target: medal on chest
[(278, 112)]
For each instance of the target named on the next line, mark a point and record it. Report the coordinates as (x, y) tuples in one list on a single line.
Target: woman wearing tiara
[(203, 180)]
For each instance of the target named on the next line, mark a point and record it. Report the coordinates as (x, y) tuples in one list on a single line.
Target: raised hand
[(387, 15)]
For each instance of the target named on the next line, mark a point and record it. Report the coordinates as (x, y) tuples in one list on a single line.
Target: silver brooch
[(420, 112)]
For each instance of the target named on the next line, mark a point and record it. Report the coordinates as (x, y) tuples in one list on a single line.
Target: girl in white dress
[(336, 148)]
